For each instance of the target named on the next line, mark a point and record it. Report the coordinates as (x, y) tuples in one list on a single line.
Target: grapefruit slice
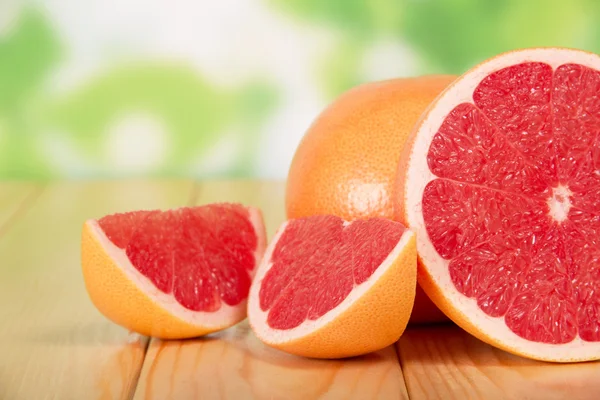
[(327, 288), (173, 274), (501, 183)]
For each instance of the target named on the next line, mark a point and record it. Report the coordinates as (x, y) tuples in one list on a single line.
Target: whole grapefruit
[(347, 161)]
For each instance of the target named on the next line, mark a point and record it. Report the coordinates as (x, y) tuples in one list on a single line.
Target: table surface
[(55, 345)]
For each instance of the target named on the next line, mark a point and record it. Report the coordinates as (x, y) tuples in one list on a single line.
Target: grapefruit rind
[(373, 316), (128, 298), (414, 175)]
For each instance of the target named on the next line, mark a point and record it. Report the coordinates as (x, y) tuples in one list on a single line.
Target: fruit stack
[(484, 188)]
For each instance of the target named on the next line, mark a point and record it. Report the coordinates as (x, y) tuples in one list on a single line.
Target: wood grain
[(15, 199), (53, 343), (448, 363), (235, 365)]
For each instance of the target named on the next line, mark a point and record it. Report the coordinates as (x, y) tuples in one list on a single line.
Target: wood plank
[(53, 342), (233, 364), (15, 199), (448, 363)]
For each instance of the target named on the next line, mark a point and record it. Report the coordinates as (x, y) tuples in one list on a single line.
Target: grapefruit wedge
[(500, 181), (327, 288), (173, 274)]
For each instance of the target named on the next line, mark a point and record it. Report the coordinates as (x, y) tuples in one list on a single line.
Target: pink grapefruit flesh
[(193, 265), (316, 273), (502, 187), (305, 282), (188, 253)]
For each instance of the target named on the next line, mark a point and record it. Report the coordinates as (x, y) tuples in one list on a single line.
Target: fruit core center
[(560, 203)]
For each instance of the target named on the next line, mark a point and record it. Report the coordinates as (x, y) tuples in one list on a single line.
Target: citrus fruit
[(347, 161), (327, 288), (500, 181), (173, 274)]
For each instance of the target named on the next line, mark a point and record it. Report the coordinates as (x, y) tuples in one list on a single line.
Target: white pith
[(258, 317), (418, 176), (225, 315), (559, 203)]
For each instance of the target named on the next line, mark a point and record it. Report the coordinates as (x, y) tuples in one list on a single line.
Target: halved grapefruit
[(327, 288), (500, 181), (173, 274)]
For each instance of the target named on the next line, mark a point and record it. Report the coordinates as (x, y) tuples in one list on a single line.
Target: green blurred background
[(122, 88)]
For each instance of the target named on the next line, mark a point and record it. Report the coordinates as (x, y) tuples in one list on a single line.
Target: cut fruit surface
[(501, 181), (176, 273), (328, 288)]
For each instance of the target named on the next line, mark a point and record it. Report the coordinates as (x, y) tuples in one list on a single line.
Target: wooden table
[(55, 345)]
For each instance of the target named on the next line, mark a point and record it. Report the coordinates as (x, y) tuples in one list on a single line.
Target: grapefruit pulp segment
[(329, 288), (177, 273), (499, 182)]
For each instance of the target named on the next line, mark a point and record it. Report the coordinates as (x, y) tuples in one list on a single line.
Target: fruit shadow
[(240, 341), (271, 372), (241, 338), (237, 358), (449, 345)]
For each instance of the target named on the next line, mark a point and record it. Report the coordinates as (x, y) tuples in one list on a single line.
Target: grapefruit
[(173, 274), (500, 180), (327, 288), (347, 161)]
